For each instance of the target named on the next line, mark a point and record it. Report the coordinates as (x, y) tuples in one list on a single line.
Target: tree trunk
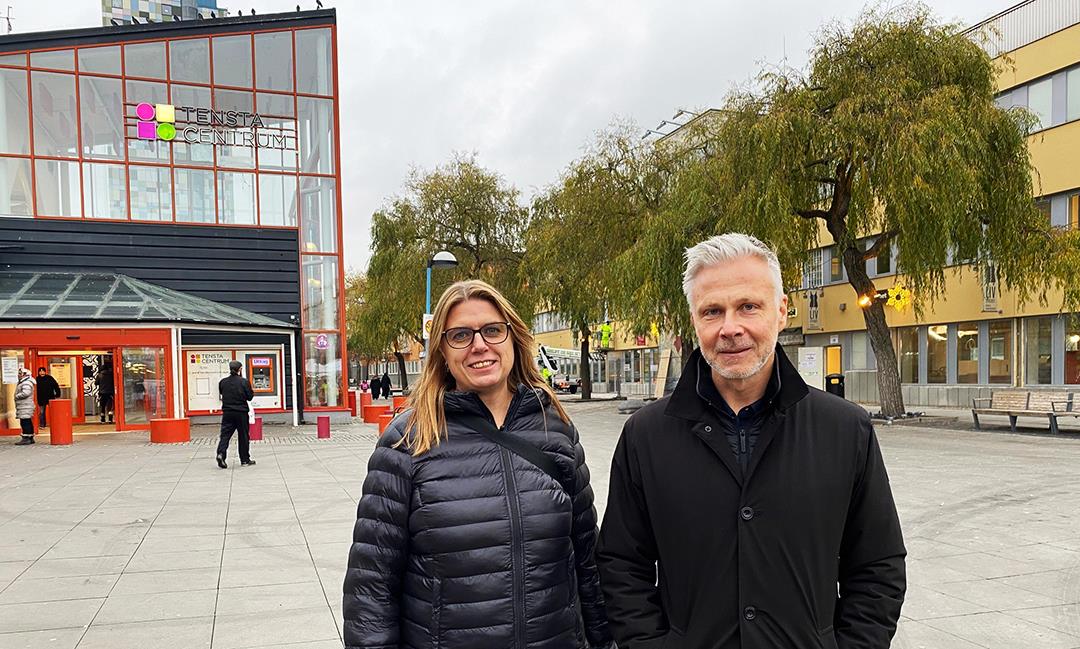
[(585, 364), (687, 348), (891, 397), (403, 376)]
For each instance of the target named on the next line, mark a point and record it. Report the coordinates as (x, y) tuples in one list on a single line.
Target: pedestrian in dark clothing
[(24, 406), (47, 390), (385, 383), (235, 392), (375, 386), (464, 539), (106, 391), (747, 509)]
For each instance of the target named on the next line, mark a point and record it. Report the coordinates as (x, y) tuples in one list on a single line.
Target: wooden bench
[(1022, 403)]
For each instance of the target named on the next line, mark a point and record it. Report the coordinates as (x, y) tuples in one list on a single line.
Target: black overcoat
[(469, 546), (803, 552)]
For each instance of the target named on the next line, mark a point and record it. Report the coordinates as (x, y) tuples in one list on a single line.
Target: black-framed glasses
[(493, 333)]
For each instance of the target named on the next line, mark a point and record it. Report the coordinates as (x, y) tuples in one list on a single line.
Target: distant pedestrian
[(385, 383), (106, 389), (364, 386), (47, 390), (235, 392), (24, 406), (375, 386)]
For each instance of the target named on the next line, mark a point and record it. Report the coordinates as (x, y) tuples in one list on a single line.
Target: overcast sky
[(523, 85)]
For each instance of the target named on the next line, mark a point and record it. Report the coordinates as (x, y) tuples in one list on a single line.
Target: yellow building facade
[(976, 337)]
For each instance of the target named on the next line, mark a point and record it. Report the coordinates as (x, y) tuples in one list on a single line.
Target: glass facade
[(967, 352), (1038, 339), (103, 132), (937, 354), (909, 354)]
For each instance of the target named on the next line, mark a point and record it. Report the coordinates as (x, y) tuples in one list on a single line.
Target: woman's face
[(481, 366)]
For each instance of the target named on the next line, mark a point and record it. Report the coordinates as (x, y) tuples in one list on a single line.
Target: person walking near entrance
[(47, 390), (24, 406), (106, 390), (235, 392), (385, 383), (375, 386)]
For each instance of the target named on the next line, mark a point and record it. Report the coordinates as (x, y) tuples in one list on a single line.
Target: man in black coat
[(47, 390), (747, 510), (235, 392), (384, 384)]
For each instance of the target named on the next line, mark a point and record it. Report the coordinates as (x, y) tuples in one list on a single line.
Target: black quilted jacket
[(469, 546)]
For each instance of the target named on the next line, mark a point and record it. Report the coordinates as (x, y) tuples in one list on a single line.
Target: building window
[(1074, 210), (58, 192), (277, 199), (151, 193), (836, 268), (320, 292), (274, 61), (232, 61), (1040, 102), (937, 351), (55, 130), (859, 360), (278, 113), (313, 62), (316, 126), (194, 195), (812, 271), (1072, 82), (240, 156), (967, 352), (909, 354), (15, 118), (105, 191), (145, 60), (149, 92), (101, 105), (1043, 205), (15, 199), (1001, 339), (103, 60), (54, 60), (883, 261), (318, 215), (1072, 353), (1039, 348), (183, 152), (189, 60), (236, 197)]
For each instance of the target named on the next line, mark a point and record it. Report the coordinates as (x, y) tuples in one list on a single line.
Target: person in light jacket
[(24, 406), (459, 542)]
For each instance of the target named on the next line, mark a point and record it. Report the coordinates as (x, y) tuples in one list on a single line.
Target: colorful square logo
[(156, 121)]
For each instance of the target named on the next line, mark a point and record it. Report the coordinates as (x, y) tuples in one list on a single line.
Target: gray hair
[(725, 247)]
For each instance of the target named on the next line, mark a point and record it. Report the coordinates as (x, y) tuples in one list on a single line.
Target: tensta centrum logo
[(206, 126)]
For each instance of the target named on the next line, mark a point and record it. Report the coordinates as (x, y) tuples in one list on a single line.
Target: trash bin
[(834, 384)]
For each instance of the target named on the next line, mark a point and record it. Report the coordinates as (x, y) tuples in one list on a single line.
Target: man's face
[(737, 316), (41, 372)]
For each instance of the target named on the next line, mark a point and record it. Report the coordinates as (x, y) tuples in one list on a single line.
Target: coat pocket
[(827, 639), (436, 613)]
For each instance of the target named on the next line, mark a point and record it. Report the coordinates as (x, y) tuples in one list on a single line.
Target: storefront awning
[(94, 297)]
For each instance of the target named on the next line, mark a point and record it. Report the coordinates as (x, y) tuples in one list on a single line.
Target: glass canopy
[(105, 297)]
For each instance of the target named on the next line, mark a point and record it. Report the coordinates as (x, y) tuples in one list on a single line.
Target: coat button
[(746, 513), (708, 429), (749, 613)]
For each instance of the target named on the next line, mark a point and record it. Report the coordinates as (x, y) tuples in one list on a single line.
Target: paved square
[(116, 543)]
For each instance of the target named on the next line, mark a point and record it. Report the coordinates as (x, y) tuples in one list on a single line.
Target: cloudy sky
[(524, 85)]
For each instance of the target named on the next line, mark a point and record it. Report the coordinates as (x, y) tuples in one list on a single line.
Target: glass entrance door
[(66, 371), (143, 385)]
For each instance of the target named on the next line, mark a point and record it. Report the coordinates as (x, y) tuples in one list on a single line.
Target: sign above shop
[(200, 125)]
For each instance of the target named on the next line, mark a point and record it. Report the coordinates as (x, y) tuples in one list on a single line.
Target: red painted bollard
[(324, 427), (255, 430)]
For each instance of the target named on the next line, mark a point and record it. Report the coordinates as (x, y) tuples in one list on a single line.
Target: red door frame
[(114, 340), (76, 380)]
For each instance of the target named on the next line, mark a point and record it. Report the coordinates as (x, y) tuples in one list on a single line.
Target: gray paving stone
[(35, 616), (186, 633), (48, 639), (269, 599), (164, 581), (1001, 631), (157, 606), (57, 588), (258, 629)]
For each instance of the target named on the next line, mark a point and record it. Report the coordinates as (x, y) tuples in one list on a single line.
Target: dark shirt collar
[(706, 389)]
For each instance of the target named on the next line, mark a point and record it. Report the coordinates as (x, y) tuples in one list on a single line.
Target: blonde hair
[(426, 425)]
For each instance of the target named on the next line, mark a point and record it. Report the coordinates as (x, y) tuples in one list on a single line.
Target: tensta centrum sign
[(201, 125)]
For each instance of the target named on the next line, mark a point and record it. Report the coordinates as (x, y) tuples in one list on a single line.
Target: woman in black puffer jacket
[(460, 543)]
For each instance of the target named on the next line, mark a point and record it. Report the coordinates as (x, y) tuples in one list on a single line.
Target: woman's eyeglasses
[(493, 333)]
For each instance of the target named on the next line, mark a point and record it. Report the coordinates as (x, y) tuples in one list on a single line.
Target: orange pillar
[(59, 417), (399, 403)]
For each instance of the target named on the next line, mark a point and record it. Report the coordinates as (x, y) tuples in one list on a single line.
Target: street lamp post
[(443, 259)]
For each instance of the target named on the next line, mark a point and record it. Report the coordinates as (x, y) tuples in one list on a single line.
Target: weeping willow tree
[(891, 131)]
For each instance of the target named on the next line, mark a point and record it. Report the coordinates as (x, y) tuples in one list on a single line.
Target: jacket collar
[(686, 403), (526, 400)]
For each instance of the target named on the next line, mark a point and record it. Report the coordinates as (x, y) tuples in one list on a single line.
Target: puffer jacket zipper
[(517, 549)]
